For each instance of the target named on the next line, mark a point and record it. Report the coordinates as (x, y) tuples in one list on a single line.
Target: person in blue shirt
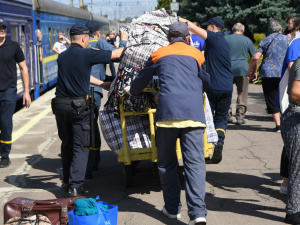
[(98, 71), (218, 66), (274, 48)]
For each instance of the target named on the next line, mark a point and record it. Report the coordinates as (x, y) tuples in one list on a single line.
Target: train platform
[(242, 189)]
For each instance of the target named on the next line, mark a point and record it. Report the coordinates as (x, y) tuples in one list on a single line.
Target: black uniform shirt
[(10, 54), (74, 69)]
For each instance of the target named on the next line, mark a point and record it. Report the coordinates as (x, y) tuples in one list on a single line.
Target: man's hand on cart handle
[(106, 85), (127, 89)]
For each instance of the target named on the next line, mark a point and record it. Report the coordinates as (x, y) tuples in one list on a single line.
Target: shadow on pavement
[(108, 183), (242, 205)]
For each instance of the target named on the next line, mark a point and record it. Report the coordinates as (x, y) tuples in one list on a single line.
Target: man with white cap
[(179, 114)]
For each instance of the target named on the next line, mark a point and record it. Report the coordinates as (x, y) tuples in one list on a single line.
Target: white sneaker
[(198, 221), (283, 190), (164, 211)]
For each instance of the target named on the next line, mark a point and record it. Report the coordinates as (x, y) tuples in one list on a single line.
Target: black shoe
[(217, 156), (208, 160), (4, 162), (95, 168), (88, 176), (240, 122), (277, 129), (74, 192), (65, 186), (292, 219), (229, 120)]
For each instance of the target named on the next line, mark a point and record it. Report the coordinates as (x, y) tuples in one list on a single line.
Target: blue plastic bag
[(109, 217)]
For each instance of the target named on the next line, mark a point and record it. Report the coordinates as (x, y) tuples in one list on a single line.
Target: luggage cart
[(130, 157)]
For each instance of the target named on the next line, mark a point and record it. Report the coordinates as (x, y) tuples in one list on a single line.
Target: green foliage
[(256, 13), (163, 4)]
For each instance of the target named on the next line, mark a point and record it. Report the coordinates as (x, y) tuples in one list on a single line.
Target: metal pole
[(71, 3), (80, 4)]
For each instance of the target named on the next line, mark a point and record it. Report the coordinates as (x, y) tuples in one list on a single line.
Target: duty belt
[(66, 100)]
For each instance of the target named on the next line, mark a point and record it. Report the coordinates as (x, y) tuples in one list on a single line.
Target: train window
[(54, 34), (64, 31), (68, 30), (58, 30), (23, 39), (50, 39), (29, 31), (14, 32)]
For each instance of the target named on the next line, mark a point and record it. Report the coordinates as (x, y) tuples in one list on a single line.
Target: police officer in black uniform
[(71, 106)]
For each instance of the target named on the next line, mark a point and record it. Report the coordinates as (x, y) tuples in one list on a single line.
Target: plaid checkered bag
[(138, 103), (212, 136), (137, 127)]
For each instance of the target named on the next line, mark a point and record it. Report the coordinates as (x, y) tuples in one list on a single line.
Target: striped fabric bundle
[(146, 34), (138, 130)]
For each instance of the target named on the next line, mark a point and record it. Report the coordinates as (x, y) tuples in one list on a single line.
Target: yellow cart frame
[(127, 156)]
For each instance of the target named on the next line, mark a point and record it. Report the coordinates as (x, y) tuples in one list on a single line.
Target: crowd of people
[(196, 60)]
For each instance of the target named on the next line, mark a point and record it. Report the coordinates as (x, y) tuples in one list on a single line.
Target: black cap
[(93, 26), (217, 21), (78, 29), (180, 27), (3, 22)]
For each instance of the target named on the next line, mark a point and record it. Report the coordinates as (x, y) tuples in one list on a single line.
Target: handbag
[(264, 54), (108, 215), (283, 95), (55, 209)]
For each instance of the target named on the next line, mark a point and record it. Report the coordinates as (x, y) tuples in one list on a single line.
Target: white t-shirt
[(60, 47)]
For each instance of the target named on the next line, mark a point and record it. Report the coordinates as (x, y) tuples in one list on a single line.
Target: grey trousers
[(191, 142), (242, 84)]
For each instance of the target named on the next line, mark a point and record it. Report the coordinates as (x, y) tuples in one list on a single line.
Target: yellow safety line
[(16, 135), (50, 58)]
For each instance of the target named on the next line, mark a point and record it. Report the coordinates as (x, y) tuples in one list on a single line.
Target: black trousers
[(74, 132)]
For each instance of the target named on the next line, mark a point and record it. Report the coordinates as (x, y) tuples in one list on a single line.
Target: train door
[(31, 66)]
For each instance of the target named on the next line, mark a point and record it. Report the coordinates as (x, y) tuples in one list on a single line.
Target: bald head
[(238, 28)]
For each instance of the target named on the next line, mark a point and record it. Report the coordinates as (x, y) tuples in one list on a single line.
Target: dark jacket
[(181, 78)]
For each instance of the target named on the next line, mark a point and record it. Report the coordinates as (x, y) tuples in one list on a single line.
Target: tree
[(163, 4), (256, 13)]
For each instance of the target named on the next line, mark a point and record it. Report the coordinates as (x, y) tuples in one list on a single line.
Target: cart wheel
[(128, 173)]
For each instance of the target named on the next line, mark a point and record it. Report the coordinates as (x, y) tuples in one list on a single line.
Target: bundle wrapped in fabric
[(146, 34)]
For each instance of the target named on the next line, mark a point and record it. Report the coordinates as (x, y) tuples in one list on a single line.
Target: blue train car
[(18, 14), (53, 18), (24, 17)]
